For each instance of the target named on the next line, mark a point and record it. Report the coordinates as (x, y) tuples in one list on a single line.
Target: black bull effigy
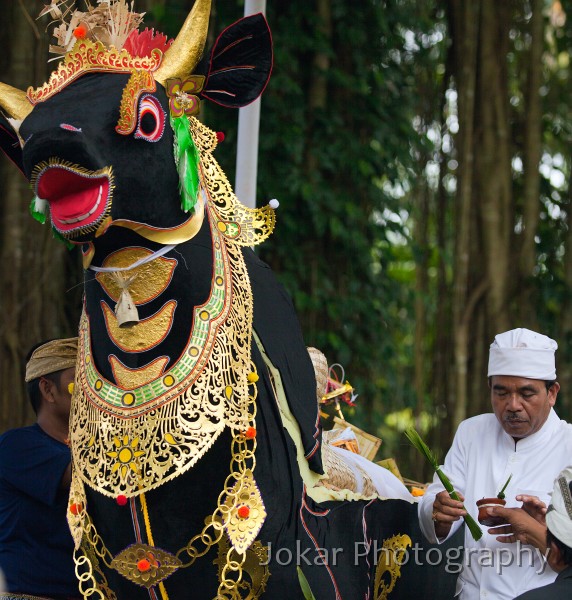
[(197, 453)]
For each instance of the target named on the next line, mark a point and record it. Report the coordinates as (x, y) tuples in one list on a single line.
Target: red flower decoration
[(243, 512), (121, 500), (142, 43), (80, 31), (250, 433)]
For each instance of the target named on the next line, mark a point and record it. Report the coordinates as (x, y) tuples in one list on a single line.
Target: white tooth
[(88, 214)]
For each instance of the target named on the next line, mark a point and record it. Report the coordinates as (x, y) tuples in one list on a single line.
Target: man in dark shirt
[(36, 547)]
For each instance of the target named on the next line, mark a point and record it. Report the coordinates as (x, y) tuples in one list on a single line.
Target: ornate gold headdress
[(105, 37)]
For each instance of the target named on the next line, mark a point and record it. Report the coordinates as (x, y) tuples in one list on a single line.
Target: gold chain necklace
[(240, 513)]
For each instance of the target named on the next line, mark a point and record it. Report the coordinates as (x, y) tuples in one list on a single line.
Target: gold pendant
[(244, 514), (145, 565)]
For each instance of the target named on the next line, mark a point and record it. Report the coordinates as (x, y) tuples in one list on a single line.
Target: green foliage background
[(361, 142), (335, 170), (358, 143), (340, 171)]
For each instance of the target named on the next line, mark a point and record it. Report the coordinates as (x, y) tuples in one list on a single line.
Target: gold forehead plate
[(87, 56)]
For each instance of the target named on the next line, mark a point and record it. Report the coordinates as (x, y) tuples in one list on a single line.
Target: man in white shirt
[(523, 438)]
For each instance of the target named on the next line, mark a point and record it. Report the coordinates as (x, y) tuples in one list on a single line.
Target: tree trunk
[(464, 19), (491, 270), (564, 356), (37, 270), (483, 269), (421, 294), (532, 150), (493, 178)]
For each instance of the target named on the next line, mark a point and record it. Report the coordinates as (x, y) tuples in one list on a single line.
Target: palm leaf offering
[(308, 595), (416, 441), (501, 493)]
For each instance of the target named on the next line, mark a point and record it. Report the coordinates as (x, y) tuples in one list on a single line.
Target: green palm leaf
[(305, 585), (416, 441)]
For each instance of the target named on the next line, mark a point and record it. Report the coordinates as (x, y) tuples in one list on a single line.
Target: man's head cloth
[(50, 357), (523, 353)]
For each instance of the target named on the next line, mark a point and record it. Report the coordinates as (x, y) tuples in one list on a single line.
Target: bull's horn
[(14, 102), (182, 57)]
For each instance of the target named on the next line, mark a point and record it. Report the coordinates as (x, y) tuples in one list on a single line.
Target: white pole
[(248, 131)]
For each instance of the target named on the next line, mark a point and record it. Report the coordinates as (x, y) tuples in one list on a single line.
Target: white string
[(141, 261)]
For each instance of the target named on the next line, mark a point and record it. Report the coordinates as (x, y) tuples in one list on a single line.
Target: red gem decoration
[(75, 509), (220, 136), (121, 500), (243, 512), (143, 565), (250, 433)]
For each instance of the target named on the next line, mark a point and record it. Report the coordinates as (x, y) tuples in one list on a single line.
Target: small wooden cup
[(484, 517)]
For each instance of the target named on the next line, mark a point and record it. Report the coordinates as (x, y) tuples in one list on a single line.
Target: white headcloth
[(523, 353), (559, 514)]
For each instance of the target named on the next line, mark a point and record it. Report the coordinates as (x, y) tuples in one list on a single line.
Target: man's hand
[(534, 506), (521, 525), (445, 512)]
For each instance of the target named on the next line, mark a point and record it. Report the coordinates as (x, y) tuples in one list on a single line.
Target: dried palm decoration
[(108, 21)]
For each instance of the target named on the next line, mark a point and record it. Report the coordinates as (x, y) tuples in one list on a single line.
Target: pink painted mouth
[(79, 199)]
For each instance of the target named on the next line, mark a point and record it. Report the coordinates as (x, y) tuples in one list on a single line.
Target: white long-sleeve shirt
[(478, 464)]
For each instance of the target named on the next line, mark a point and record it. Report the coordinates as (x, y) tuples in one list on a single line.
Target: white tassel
[(125, 309), (41, 206)]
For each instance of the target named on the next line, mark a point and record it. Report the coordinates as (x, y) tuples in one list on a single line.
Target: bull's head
[(96, 141)]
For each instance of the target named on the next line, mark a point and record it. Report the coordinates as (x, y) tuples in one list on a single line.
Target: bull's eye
[(151, 120)]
